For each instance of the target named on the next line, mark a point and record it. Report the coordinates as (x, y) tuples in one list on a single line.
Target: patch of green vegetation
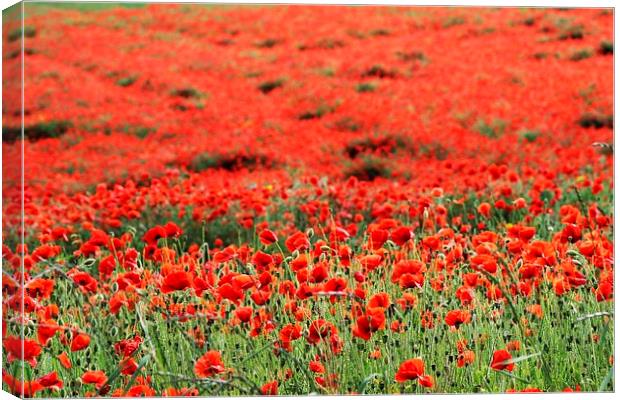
[(596, 121), (127, 81), (269, 86), (366, 87), (42, 130), (492, 130), (186, 92), (541, 55), (412, 56), (43, 7), (347, 124), (253, 74), (378, 71), (28, 32), (325, 43), (384, 145), (229, 161), (453, 21), (574, 32), (530, 135), (380, 32), (581, 54), (434, 150), (356, 34), (606, 48), (529, 21), (138, 130), (369, 168), (327, 71), (268, 43), (317, 113), (15, 53), (587, 94)]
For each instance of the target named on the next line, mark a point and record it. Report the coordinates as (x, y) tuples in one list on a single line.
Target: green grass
[(46, 6)]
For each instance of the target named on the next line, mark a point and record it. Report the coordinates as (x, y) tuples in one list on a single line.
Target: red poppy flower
[(317, 367), (128, 366), (209, 364), (13, 347), (379, 300), (372, 321), (409, 370), (128, 347), (466, 357), (270, 388), (457, 317), (297, 241), (172, 230), (500, 360), (51, 381), (426, 381), (320, 329), (262, 260), (402, 235), (86, 282), (140, 391), (40, 288), (98, 378), (64, 360), (224, 255), (370, 262), (20, 387), (80, 342), (377, 238), (268, 237), (244, 313), (485, 209), (179, 280), (152, 236)]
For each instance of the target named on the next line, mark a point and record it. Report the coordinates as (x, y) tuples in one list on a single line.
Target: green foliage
[(127, 81), (229, 161), (42, 130), (138, 130), (347, 124), (378, 71), (186, 92), (366, 87), (434, 150), (596, 121), (325, 43), (530, 135), (268, 86), (317, 113), (384, 145), (493, 130), (28, 32), (569, 31), (453, 21), (529, 21), (380, 32), (581, 54), (411, 56), (368, 168), (606, 47), (268, 43)]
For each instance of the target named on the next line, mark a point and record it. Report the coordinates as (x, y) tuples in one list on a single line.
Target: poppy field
[(292, 200)]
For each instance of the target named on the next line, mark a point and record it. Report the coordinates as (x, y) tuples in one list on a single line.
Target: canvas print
[(244, 200)]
